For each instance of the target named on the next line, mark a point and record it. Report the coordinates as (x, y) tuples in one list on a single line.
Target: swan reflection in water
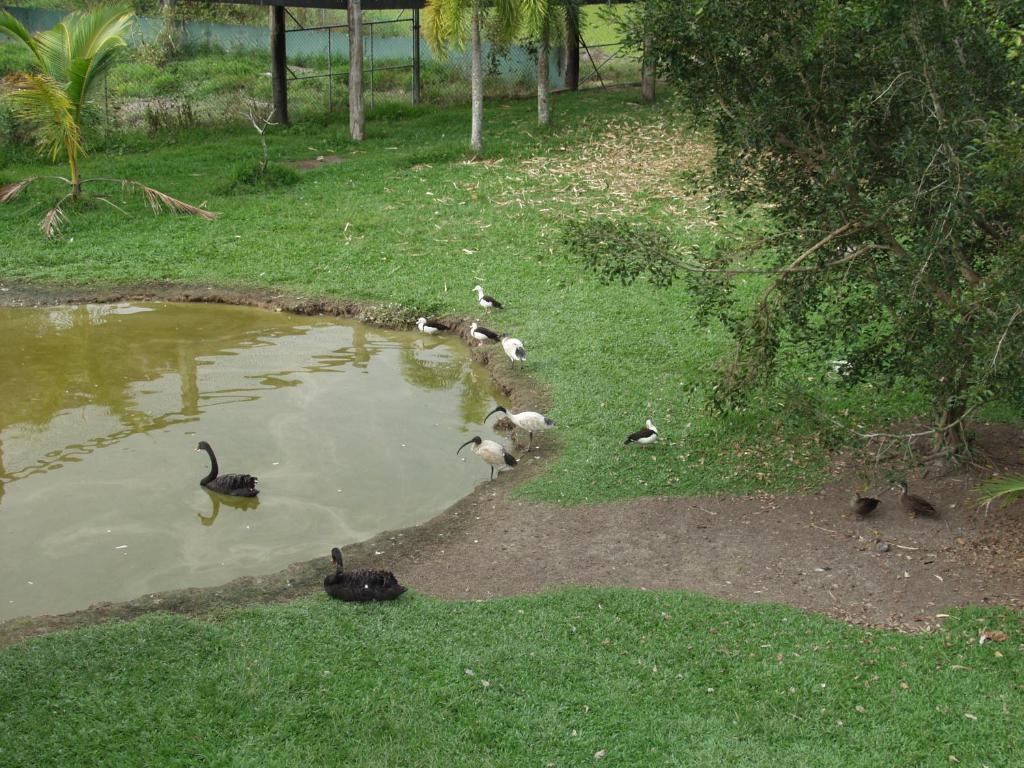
[(235, 502)]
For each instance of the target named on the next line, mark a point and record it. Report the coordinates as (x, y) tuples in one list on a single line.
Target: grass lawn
[(406, 219), (638, 679)]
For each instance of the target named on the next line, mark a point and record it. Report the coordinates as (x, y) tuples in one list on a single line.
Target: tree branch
[(999, 346)]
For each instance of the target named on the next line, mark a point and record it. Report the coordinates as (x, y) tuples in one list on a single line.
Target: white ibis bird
[(514, 349), (531, 421), (482, 334), (431, 327), (360, 586), (485, 301), (915, 505), (644, 436), (491, 452)]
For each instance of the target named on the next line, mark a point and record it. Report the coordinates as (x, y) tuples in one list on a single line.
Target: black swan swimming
[(360, 586), (229, 485)]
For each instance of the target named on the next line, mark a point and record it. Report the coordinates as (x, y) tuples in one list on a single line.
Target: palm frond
[(97, 30), (507, 20), (96, 39), (447, 24), (41, 101), (1004, 488), (54, 51), (85, 73), (10, 191), (543, 19), (16, 29), (54, 219), (158, 201)]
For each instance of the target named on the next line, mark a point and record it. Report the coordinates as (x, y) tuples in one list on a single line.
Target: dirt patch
[(316, 162), (805, 550)]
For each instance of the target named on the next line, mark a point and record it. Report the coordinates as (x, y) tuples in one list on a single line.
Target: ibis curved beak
[(463, 446), (490, 414)]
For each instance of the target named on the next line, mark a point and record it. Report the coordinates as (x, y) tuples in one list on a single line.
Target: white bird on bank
[(431, 327), (531, 421), (485, 301), (491, 452), (514, 349), (644, 436), (481, 334)]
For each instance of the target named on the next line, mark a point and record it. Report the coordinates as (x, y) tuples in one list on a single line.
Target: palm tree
[(447, 25), (545, 20), (70, 60)]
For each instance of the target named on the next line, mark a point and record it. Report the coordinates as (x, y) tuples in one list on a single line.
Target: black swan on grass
[(229, 485), (360, 586)]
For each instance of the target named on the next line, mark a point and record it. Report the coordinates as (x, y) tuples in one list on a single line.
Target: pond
[(351, 430)]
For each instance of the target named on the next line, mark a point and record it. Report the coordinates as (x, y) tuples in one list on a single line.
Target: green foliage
[(1004, 489), (622, 250), (257, 176), (884, 140), (645, 679), (167, 45)]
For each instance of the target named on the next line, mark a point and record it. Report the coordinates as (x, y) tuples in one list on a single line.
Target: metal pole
[(356, 117), (371, 65), (572, 48), (330, 72), (416, 56), (278, 57)]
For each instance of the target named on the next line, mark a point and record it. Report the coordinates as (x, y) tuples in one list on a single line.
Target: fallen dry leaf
[(995, 635)]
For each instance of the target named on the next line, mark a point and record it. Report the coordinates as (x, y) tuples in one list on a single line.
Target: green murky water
[(351, 431)]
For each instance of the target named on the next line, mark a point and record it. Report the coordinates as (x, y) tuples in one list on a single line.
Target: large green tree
[(884, 142), (70, 61)]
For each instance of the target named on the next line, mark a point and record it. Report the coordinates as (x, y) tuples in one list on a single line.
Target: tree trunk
[(76, 175), (572, 48), (951, 434), (543, 85), (476, 141), (647, 73), (356, 119)]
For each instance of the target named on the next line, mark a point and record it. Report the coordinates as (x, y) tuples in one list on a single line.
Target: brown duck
[(915, 505), (864, 505)]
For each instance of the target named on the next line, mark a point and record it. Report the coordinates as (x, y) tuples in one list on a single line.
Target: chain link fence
[(182, 74)]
